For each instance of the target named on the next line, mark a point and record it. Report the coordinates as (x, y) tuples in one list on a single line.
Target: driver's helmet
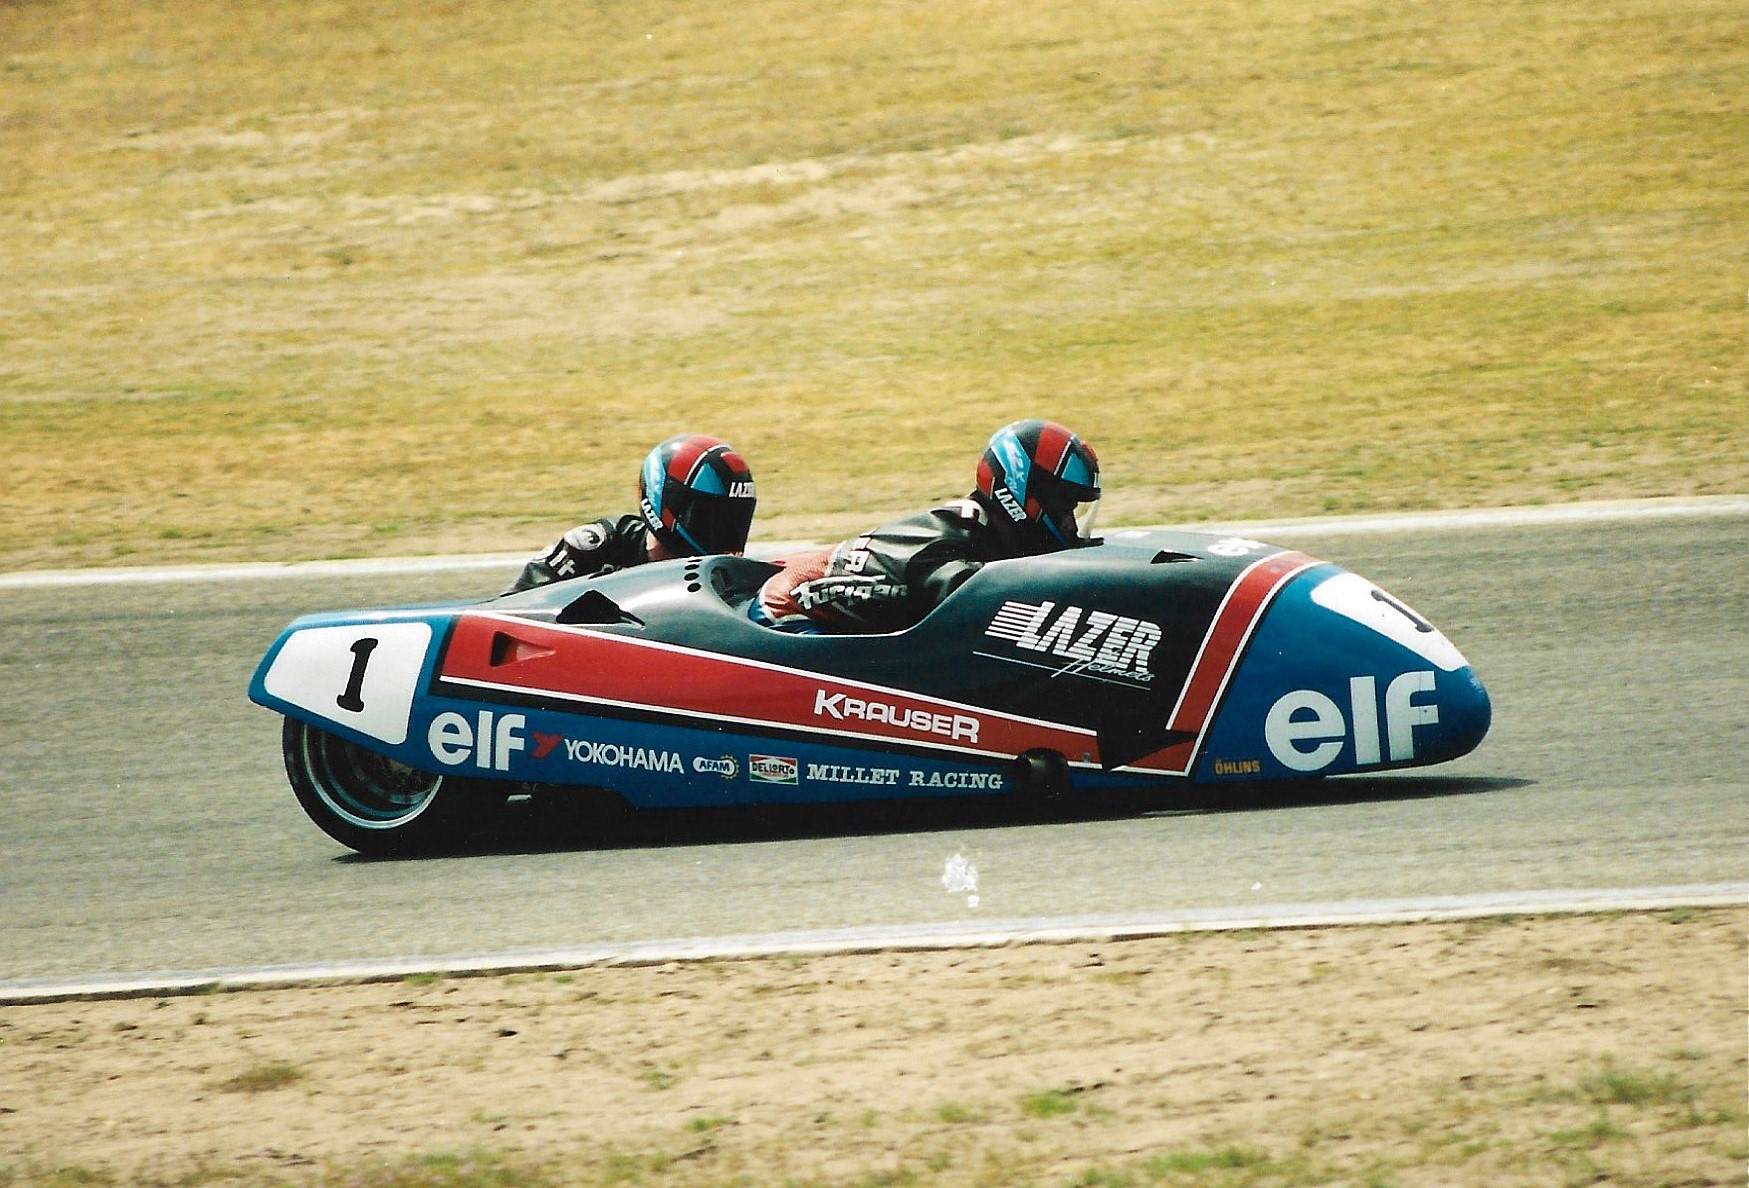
[(1041, 476), (696, 495)]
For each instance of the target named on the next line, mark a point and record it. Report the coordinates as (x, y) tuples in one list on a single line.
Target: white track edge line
[(1604, 512), (965, 934)]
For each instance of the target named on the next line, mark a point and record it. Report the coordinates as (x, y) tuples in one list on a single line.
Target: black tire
[(1041, 784), (373, 804)]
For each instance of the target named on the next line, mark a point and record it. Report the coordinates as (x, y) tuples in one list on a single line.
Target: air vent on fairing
[(592, 606)]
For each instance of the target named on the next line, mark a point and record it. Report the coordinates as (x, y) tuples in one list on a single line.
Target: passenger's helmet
[(1043, 480), (696, 495)]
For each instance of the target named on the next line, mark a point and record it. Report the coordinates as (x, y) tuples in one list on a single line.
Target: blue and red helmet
[(696, 494), (1039, 474)]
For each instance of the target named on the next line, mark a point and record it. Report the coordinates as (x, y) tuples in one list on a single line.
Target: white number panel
[(362, 676)]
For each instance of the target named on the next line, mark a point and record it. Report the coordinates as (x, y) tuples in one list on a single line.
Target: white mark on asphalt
[(961, 878)]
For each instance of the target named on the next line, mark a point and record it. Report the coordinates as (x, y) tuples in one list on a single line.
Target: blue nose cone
[(1342, 678), (1465, 713), (1430, 705)]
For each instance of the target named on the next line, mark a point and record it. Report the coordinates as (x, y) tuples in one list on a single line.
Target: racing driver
[(1037, 492), (695, 497)]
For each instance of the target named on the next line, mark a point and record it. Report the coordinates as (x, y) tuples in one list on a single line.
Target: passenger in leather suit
[(1037, 491), (695, 497)]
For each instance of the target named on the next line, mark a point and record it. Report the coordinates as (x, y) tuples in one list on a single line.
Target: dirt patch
[(1530, 1050)]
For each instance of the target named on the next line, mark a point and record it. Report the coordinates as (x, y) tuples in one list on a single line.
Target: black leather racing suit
[(600, 546), (888, 579)]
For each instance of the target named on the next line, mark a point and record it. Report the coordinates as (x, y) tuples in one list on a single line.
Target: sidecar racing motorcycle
[(1148, 660)]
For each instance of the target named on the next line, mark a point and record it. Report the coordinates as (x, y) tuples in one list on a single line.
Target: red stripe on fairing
[(710, 689), (1218, 657), (1053, 448)]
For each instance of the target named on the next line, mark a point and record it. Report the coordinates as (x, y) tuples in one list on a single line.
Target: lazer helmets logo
[(1096, 643), (1010, 504)]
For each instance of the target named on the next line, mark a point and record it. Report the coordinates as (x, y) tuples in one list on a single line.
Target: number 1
[(350, 700)]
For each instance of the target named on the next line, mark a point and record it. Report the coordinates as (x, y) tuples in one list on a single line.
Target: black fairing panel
[(967, 649)]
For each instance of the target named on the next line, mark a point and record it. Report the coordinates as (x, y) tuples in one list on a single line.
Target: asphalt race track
[(146, 825)]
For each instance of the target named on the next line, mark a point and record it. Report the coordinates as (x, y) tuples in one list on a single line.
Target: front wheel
[(371, 803)]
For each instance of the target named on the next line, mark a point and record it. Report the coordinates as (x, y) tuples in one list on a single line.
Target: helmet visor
[(1072, 523), (1084, 515), (710, 525)]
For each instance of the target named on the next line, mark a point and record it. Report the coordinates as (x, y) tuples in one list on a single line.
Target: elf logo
[(1306, 730), (454, 739), (1097, 641)]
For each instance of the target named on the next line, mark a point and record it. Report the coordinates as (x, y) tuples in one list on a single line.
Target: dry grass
[(286, 280)]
